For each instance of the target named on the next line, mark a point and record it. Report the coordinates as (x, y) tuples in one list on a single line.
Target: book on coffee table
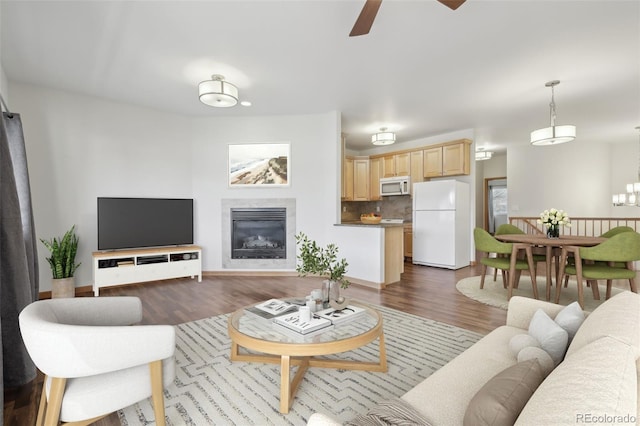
[(292, 322), (271, 309), (341, 316)]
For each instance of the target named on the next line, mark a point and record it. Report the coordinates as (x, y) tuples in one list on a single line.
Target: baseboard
[(249, 273), (365, 283), (79, 290)]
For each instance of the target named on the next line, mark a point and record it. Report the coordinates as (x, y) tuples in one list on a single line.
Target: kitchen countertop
[(377, 225)]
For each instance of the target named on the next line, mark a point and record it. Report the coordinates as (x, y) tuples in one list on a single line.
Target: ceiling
[(423, 70)]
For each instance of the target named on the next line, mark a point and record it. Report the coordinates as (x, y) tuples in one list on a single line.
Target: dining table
[(551, 247)]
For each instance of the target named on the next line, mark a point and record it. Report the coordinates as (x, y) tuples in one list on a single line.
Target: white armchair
[(95, 362)]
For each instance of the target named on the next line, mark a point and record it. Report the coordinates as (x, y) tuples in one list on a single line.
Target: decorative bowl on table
[(370, 219)]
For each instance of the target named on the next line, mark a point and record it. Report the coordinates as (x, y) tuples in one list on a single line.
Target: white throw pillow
[(544, 359), (570, 318), (521, 341), (553, 338)]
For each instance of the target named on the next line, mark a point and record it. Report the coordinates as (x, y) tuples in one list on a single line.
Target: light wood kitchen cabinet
[(450, 159), (388, 166), (408, 240), (347, 179), (397, 165), (417, 167), (375, 173), (456, 159), (403, 164), (432, 162), (361, 179)]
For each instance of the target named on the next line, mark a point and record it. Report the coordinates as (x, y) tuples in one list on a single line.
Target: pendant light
[(553, 135), (632, 196), (482, 155), (383, 137), (217, 92)]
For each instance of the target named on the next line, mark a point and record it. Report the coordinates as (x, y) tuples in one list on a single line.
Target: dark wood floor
[(423, 291)]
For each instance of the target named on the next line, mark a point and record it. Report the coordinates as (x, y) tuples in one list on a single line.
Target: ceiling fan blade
[(452, 4), (365, 20)]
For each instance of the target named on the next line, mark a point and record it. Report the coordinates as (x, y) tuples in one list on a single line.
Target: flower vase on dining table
[(553, 231)]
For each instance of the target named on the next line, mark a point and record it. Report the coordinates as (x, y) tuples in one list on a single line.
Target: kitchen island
[(375, 253)]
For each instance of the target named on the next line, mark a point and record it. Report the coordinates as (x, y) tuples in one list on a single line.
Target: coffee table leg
[(285, 383), (234, 351), (288, 386), (383, 354)]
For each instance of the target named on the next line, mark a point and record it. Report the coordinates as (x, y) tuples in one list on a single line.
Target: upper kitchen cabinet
[(417, 166), (396, 165), (450, 159), (375, 173), (347, 179), (361, 180)]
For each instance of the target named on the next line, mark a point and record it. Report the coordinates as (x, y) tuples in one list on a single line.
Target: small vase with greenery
[(63, 261), (322, 262)]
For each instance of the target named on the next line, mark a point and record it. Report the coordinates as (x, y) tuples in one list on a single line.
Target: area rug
[(495, 294), (209, 389)]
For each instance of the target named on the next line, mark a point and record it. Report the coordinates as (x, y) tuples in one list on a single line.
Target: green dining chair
[(506, 259), (623, 248), (610, 233), (506, 229), (617, 230)]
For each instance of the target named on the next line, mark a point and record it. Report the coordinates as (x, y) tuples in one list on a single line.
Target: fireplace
[(258, 233)]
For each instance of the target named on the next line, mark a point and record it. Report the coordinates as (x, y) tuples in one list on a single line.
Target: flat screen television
[(144, 222)]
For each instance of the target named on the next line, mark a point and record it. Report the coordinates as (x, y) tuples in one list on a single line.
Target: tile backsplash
[(394, 207)]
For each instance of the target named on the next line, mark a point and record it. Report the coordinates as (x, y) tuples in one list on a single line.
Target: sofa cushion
[(521, 341), (544, 359), (390, 412), (570, 319), (444, 396), (501, 399), (618, 316), (597, 380), (551, 336)]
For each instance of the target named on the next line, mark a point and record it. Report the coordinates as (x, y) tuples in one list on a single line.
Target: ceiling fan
[(370, 9)]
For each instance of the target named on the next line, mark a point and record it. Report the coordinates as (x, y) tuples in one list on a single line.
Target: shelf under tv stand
[(118, 267)]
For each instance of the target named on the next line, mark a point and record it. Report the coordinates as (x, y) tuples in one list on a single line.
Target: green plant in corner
[(63, 254), (321, 261)]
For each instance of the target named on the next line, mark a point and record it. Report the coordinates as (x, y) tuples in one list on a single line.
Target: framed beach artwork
[(259, 165)]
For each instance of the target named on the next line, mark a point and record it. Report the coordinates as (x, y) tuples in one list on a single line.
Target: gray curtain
[(18, 257)]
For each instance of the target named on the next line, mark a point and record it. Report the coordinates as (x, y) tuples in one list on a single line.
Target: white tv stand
[(111, 268)]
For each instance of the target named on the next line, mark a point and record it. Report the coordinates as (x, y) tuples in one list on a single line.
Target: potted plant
[(63, 263), (323, 262)]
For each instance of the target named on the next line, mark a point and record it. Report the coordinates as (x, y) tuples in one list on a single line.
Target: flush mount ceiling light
[(553, 135), (217, 92), (383, 137), (482, 155)]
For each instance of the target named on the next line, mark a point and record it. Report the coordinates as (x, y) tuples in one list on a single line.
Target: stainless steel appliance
[(397, 185)]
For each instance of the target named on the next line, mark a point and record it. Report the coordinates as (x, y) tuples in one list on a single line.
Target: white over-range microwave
[(397, 185)]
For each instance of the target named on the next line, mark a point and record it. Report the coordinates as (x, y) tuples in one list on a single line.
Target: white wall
[(80, 148), (624, 170), (313, 170), (572, 177), (4, 83)]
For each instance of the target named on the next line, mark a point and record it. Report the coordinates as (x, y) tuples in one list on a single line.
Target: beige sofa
[(597, 382)]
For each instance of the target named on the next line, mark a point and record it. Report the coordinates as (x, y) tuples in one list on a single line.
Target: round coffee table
[(290, 349)]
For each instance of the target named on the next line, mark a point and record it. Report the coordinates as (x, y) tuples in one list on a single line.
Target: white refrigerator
[(441, 224)]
